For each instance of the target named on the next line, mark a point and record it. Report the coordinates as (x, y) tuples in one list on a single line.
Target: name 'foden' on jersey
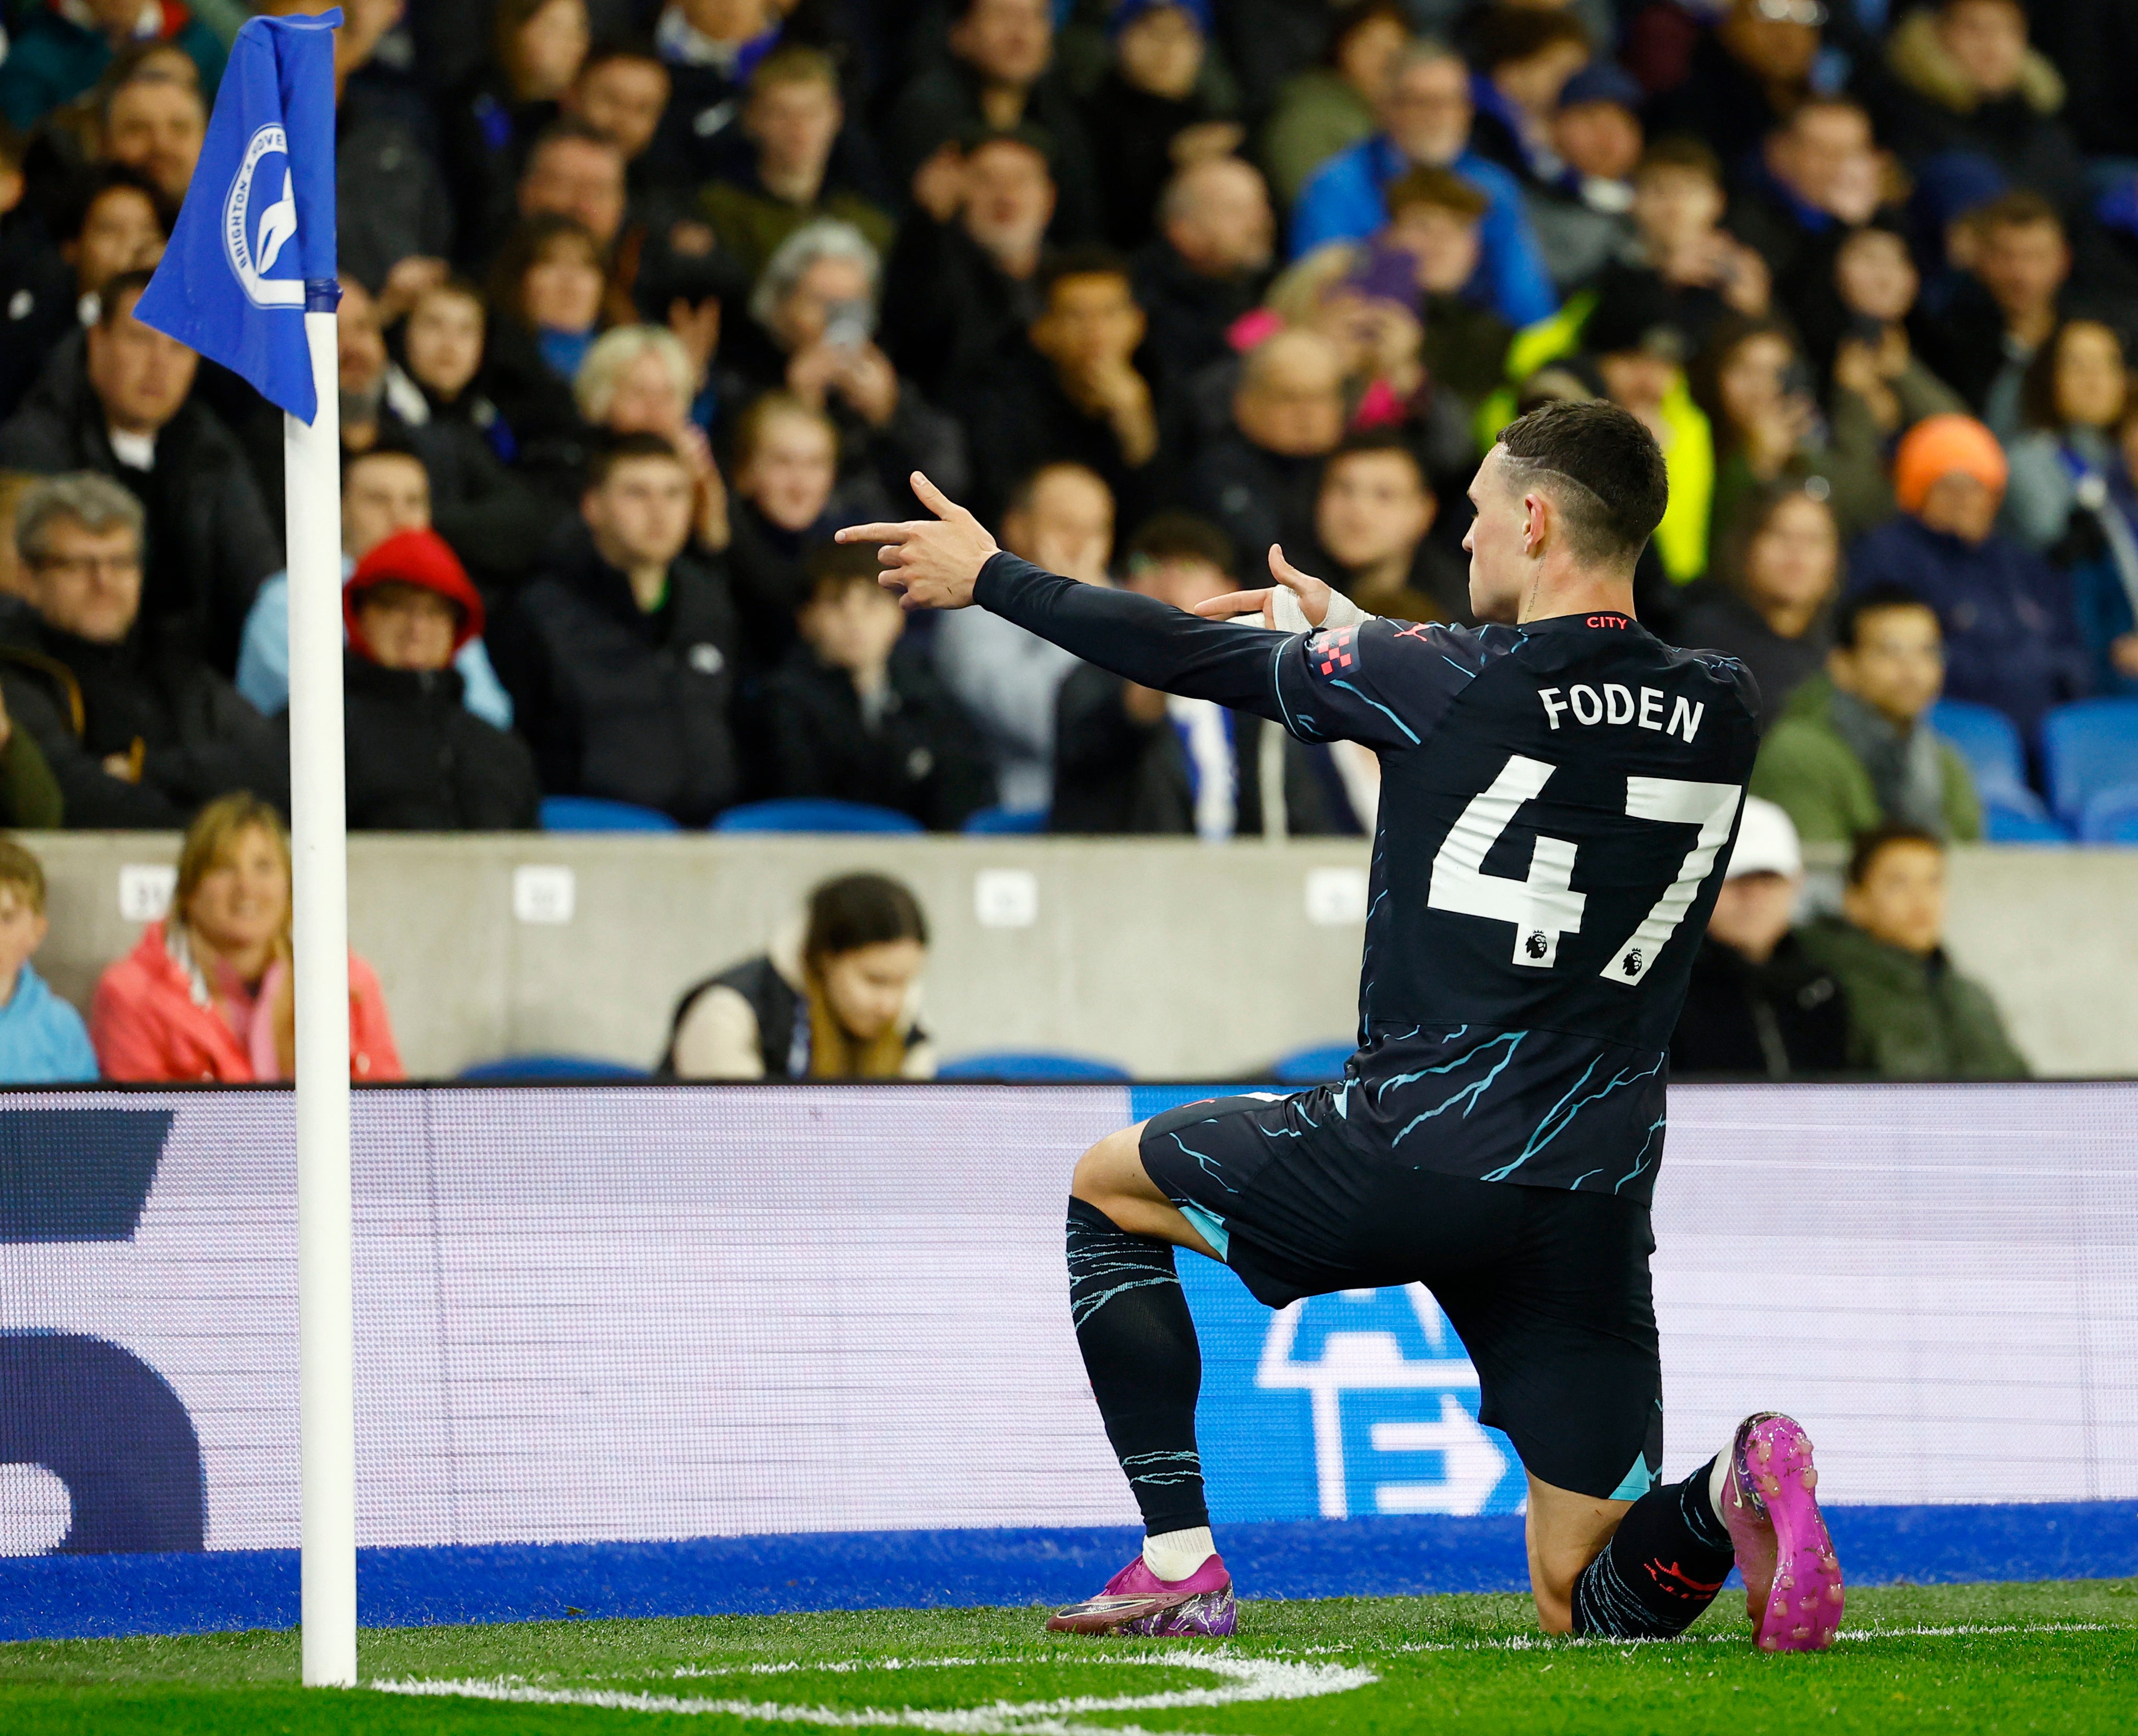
[(1615, 702)]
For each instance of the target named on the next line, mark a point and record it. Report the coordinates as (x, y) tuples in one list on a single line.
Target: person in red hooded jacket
[(418, 760)]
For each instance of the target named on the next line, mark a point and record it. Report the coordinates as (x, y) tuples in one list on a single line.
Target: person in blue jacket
[(42, 1039), (1425, 119)]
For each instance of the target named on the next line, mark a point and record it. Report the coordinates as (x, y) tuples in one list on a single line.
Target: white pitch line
[(1248, 1680)]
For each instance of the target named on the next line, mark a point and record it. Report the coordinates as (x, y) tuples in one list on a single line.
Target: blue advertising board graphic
[(1340, 1407)]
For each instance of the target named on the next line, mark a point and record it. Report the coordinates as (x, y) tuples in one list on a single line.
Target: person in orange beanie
[(418, 759), (2010, 637)]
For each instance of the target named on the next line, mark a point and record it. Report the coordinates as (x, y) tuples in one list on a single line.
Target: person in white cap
[(1758, 1007)]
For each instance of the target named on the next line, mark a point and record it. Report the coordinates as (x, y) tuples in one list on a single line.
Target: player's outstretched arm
[(951, 562)]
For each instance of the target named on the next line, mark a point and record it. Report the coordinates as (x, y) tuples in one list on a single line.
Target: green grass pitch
[(2043, 1657)]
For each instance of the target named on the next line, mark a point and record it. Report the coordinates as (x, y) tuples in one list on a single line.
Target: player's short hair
[(1603, 472), (1869, 846), (1872, 600)]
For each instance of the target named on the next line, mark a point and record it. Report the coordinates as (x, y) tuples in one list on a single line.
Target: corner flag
[(255, 235)]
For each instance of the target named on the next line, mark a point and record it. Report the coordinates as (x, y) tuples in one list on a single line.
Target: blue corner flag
[(256, 235)]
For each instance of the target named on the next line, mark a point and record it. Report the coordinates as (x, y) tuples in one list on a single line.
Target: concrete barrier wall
[(1176, 960)]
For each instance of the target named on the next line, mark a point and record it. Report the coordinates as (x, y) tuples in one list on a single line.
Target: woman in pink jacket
[(206, 995)]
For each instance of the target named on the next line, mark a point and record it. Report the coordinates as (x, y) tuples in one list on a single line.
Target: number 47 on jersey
[(1544, 905)]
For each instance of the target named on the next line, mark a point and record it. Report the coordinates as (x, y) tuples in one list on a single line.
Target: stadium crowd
[(642, 298)]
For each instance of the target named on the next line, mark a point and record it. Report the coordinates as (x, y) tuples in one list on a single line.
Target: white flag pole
[(326, 1322)]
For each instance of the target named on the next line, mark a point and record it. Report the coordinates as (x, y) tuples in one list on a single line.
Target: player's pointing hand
[(933, 563), (1312, 594)]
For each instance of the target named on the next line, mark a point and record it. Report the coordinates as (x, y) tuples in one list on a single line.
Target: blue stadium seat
[(2112, 817), (1033, 1067), (1989, 741), (813, 814), (1323, 1065), (993, 821), (2007, 821), (549, 1070), (591, 813), (2087, 747)]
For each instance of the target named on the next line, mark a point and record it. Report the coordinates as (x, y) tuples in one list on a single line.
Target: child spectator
[(418, 759), (440, 346), (786, 460), (207, 993), (792, 116), (857, 717), (1850, 751), (1129, 758), (838, 999), (1680, 247), (1438, 218), (1767, 603), (42, 1039), (2010, 638), (1757, 1006), (2072, 403), (1910, 1014)]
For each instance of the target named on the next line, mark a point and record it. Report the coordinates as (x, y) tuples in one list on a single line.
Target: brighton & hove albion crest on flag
[(253, 248), (255, 253)]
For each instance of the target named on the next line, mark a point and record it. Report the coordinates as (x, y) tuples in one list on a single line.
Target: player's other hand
[(931, 563), (1312, 594)]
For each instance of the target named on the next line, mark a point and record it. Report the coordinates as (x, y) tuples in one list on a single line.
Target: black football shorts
[(1549, 1289)]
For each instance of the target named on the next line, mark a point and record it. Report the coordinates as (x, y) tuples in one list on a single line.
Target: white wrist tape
[(1290, 618)]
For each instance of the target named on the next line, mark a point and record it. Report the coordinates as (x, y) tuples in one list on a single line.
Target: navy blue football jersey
[(1557, 804)]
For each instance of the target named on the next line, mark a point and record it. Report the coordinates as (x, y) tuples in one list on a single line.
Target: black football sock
[(1662, 1566), (1139, 1350)]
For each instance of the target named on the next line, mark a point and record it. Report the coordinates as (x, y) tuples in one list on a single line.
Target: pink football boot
[(1136, 1601), (1792, 1589)]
